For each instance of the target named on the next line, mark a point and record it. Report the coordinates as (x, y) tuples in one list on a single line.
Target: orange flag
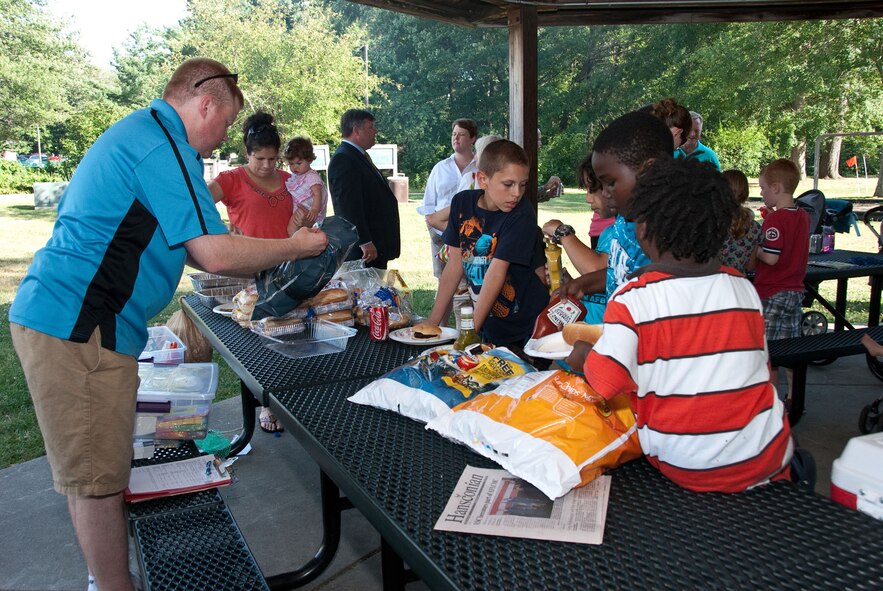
[(852, 162)]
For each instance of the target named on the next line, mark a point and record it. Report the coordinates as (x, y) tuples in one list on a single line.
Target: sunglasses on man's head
[(204, 80), (260, 129)]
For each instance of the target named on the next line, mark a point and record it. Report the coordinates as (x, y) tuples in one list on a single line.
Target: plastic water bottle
[(827, 239)]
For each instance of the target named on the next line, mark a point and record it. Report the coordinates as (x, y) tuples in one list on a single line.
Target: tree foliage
[(44, 74), (433, 74), (83, 127), (142, 66), (291, 61), (765, 89)]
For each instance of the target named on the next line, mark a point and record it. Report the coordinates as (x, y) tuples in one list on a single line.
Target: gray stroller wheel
[(871, 420), (813, 322)]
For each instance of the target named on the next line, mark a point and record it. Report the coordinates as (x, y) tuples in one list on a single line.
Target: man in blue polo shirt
[(135, 211), (693, 149)]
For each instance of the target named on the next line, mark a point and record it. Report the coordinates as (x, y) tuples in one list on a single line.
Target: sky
[(104, 24)]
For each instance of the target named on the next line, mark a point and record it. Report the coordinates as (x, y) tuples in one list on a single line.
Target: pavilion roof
[(493, 13)]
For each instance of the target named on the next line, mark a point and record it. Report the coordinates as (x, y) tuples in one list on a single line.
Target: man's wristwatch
[(561, 231)]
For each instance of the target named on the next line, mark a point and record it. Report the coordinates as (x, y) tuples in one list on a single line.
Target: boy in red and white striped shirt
[(685, 338)]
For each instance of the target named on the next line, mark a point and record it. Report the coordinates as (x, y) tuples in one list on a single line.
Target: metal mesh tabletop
[(270, 371), (842, 264), (657, 535)]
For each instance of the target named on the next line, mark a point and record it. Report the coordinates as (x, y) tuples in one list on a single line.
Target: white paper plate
[(406, 335), (561, 351), (224, 309)]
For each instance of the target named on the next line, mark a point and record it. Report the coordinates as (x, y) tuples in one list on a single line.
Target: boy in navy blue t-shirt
[(493, 233)]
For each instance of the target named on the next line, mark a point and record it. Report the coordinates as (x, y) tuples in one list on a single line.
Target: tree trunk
[(798, 157), (824, 155), (833, 166), (878, 192)]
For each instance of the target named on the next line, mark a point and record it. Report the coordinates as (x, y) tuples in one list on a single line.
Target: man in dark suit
[(361, 194)]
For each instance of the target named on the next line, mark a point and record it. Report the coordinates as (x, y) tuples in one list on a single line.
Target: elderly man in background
[(693, 149), (361, 194), (136, 210)]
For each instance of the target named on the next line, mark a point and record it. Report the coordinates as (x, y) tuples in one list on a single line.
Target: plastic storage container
[(320, 337), (857, 475), (163, 347), (174, 402)]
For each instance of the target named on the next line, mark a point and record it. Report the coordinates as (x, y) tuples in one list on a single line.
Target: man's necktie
[(371, 162)]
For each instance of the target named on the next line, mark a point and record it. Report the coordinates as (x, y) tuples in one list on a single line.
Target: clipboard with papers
[(176, 478)]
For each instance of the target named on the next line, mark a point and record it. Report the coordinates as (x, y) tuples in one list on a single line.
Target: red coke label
[(379, 323)]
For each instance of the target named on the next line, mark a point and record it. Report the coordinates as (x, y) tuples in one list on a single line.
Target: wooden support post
[(523, 87)]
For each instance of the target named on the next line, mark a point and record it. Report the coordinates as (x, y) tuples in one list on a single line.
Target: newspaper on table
[(493, 502)]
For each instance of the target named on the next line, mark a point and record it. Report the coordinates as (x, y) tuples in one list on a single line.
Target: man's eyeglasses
[(204, 80)]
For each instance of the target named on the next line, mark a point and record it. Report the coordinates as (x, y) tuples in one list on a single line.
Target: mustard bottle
[(553, 262)]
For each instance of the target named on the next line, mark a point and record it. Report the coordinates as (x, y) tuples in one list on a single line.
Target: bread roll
[(580, 331), (338, 316), (397, 319), (553, 343), (424, 330), (330, 296)]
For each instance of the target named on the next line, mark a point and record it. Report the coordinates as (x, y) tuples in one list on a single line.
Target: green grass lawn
[(23, 230)]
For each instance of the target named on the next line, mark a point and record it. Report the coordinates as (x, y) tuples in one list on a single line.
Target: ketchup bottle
[(558, 313)]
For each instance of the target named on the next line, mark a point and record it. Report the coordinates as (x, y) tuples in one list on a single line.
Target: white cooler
[(857, 475)]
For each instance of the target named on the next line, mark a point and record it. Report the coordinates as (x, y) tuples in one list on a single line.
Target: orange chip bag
[(551, 435)]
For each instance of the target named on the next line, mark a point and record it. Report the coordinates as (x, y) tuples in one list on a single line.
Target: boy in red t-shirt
[(783, 254)]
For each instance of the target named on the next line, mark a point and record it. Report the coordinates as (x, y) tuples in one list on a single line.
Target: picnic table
[(798, 353), (658, 535), (842, 265)]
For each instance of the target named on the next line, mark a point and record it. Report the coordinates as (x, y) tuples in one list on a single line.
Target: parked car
[(37, 160)]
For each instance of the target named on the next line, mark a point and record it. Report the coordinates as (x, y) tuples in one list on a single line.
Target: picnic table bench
[(190, 542), (799, 352)]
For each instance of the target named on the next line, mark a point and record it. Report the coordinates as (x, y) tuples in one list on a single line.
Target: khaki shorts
[(435, 245), (84, 397)]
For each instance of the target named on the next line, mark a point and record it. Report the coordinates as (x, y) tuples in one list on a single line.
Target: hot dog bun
[(329, 296), (337, 316), (425, 330), (580, 331)]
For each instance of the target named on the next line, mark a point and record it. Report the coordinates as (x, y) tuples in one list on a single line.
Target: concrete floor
[(276, 500)]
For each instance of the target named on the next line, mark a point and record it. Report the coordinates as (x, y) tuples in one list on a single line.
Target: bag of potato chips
[(548, 434), (438, 379)]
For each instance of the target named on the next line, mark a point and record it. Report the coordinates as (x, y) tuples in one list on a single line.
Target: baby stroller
[(838, 214), (871, 418)]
